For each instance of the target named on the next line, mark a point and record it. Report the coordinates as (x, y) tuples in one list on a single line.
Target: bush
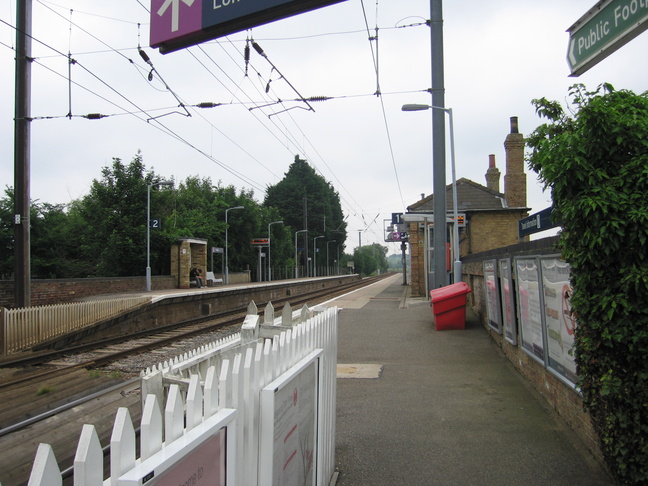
[(596, 165)]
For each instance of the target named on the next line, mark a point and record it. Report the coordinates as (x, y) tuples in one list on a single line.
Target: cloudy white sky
[(499, 55)]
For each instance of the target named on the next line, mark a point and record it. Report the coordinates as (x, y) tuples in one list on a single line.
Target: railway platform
[(417, 406)]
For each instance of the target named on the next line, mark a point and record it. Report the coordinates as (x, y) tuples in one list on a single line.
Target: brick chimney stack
[(515, 179), (493, 174)]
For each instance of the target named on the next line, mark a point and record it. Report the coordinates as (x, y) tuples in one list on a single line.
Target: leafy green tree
[(370, 259), (324, 212), (52, 252), (114, 215), (596, 164)]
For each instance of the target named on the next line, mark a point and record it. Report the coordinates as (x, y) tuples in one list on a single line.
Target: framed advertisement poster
[(288, 428), (507, 296), (491, 285), (559, 320), (530, 307)]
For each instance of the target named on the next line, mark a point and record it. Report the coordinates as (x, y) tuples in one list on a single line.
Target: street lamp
[(269, 268), (226, 228), (315, 255), (328, 272), (148, 229), (296, 233), (455, 226)]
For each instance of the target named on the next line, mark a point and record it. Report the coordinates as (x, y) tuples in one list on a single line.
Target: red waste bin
[(449, 306)]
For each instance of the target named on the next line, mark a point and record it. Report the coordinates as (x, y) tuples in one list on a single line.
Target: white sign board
[(288, 433), (203, 456)]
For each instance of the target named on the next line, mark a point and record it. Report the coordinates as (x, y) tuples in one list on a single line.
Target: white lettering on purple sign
[(224, 3)]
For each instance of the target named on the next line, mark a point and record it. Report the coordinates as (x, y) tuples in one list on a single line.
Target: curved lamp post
[(315, 255), (455, 226), (328, 270), (296, 266), (148, 229), (269, 267), (226, 228)]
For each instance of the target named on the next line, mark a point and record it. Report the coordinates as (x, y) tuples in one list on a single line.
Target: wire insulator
[(144, 56), (319, 98), (257, 48), (208, 104), (94, 116)]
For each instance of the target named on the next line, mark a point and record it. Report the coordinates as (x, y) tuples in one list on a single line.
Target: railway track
[(37, 371), (98, 353)]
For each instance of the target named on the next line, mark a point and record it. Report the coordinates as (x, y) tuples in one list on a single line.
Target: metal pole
[(404, 262), (22, 143), (328, 268), (148, 237), (337, 261), (269, 269), (296, 266), (315, 255), (438, 143), (455, 212), (148, 229), (226, 254)]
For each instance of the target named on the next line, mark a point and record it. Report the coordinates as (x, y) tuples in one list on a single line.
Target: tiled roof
[(470, 197)]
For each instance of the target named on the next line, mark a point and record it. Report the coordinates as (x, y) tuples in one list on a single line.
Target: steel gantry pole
[(438, 143), (22, 144), (226, 228)]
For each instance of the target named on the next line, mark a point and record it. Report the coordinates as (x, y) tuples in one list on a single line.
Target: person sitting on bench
[(196, 274)]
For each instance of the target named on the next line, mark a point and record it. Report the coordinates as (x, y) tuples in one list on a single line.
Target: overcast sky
[(499, 55)]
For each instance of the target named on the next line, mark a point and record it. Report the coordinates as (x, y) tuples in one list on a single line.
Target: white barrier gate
[(256, 408)]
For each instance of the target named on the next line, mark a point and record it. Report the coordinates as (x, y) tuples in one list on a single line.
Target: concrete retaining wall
[(177, 307)]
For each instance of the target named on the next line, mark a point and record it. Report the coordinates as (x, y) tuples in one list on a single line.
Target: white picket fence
[(215, 388), (23, 328)]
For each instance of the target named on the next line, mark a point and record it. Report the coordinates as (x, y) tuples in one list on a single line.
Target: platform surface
[(444, 408)]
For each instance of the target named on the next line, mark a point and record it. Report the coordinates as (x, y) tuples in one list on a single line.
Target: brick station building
[(491, 217)]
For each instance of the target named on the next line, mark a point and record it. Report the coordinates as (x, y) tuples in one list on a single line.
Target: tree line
[(103, 234)]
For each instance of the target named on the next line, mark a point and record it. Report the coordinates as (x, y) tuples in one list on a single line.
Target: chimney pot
[(491, 160), (514, 124)]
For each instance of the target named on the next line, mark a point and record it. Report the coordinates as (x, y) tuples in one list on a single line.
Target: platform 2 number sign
[(156, 223)]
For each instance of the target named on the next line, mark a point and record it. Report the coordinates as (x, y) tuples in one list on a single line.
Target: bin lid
[(449, 291)]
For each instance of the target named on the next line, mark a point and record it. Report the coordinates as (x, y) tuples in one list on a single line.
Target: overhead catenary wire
[(273, 127)]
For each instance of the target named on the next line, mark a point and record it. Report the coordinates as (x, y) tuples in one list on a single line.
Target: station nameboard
[(176, 24), (535, 223)]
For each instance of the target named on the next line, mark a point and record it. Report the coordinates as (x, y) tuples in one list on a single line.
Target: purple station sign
[(176, 24)]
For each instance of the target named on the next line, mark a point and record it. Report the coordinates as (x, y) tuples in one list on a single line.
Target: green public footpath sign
[(606, 27)]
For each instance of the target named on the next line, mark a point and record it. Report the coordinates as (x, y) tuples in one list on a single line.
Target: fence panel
[(26, 327)]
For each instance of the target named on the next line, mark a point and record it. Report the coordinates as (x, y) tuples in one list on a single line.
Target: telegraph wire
[(382, 102), (158, 125)]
